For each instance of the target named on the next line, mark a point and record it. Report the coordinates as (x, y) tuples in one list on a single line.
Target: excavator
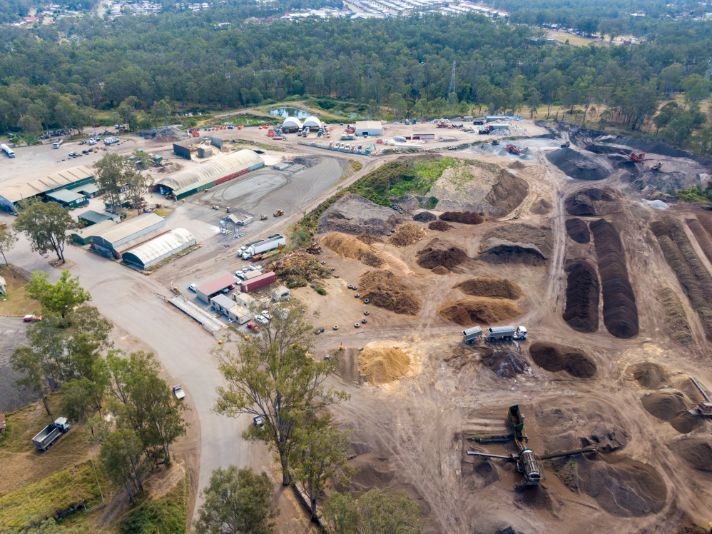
[(516, 150), (527, 462)]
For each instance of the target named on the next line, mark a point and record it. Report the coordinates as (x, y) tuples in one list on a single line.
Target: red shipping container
[(258, 282)]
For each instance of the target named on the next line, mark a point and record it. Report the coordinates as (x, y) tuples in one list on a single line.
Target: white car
[(192, 287), (266, 315), (261, 319), (258, 421), (178, 392)]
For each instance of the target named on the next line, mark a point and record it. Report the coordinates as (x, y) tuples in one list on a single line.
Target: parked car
[(261, 319), (31, 318), (258, 421), (192, 287), (266, 315), (178, 392)]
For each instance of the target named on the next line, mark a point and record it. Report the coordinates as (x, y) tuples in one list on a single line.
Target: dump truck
[(471, 335), (506, 333), (265, 245), (46, 437)]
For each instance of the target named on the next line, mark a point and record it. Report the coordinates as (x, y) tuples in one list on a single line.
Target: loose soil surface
[(464, 217), (388, 291), (576, 165), (407, 234), (499, 288), (555, 358), (649, 375), (352, 214), (589, 202), (472, 310), (440, 226), (696, 452), (516, 243), (582, 296), (381, 363), (578, 230), (352, 247), (441, 253)]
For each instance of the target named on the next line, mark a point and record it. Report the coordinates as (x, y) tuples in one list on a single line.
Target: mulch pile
[(499, 288), (505, 364), (576, 165), (472, 310), (441, 253), (587, 202), (578, 230), (464, 217), (555, 358), (387, 291), (407, 234), (424, 216), (440, 226), (582, 296), (672, 406)]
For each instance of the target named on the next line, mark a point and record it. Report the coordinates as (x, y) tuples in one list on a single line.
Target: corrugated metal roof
[(65, 195), (223, 301), (210, 171), (162, 246), (120, 231), (94, 216), (368, 125), (220, 282), (16, 192)]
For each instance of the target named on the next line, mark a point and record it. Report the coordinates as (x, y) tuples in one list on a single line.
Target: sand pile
[(672, 406), (576, 165), (649, 375), (541, 207), (578, 230), (582, 296), (697, 452), (588, 202), (439, 252), (407, 234), (353, 214), (388, 291), (381, 363), (464, 217), (516, 243), (505, 364), (352, 247), (471, 310), (424, 216), (499, 288), (555, 358), (440, 226)]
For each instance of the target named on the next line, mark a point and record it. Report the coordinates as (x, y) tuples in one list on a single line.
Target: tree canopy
[(46, 225)]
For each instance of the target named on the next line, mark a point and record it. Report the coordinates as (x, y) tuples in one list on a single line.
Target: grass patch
[(16, 301), (694, 194), (167, 515)]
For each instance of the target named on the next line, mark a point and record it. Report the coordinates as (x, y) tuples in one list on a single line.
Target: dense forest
[(54, 76)]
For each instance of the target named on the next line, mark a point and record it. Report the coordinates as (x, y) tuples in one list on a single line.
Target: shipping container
[(259, 282)]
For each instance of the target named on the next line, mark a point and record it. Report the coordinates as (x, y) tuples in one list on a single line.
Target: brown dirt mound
[(697, 452), (676, 324), (649, 375), (541, 207), (587, 202), (352, 247), (353, 214), (516, 165), (623, 487), (582, 295), (407, 234), (672, 407), (440, 226), (441, 270), (578, 230), (577, 165), (507, 192), (439, 252), (478, 310), (382, 364), (555, 358), (505, 364), (424, 216), (620, 312), (702, 237), (498, 288), (516, 243), (464, 217), (387, 291), (298, 269)]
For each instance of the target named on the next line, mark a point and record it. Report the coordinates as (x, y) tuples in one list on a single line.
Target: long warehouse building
[(12, 194), (115, 239), (209, 174), (158, 249)]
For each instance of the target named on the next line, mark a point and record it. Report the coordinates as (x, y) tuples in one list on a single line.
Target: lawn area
[(166, 515), (17, 301), (573, 40)]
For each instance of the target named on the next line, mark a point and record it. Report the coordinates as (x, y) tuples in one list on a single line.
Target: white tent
[(291, 124), (312, 122)]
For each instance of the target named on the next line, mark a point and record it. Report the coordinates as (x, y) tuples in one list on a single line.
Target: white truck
[(273, 242), (57, 144), (506, 333), (46, 437), (7, 150)]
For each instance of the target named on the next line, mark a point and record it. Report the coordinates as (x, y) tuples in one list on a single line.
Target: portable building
[(182, 151), (280, 293), (259, 282), (158, 249), (208, 289), (369, 128), (114, 240), (244, 300), (67, 199), (291, 124)]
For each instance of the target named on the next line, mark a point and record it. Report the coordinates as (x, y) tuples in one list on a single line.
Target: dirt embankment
[(555, 358), (468, 311), (516, 243), (672, 406), (352, 247), (386, 290), (353, 214), (498, 288), (582, 296), (589, 202), (688, 268), (407, 234), (620, 312), (464, 217), (576, 165), (578, 230), (441, 253)]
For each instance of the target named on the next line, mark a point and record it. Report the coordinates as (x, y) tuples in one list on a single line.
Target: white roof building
[(312, 122), (152, 252), (292, 123)]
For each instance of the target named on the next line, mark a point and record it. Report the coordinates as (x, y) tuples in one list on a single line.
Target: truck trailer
[(273, 242), (46, 437), (7, 150), (506, 333), (471, 335)]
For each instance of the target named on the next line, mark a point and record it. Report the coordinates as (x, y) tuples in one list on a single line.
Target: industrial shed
[(114, 240), (67, 199), (158, 249), (312, 123), (12, 194), (208, 289), (369, 128), (291, 124), (209, 174), (91, 217)]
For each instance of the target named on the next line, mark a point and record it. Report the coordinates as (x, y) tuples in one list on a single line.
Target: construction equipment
[(636, 157), (657, 166), (516, 150), (526, 460), (278, 213), (703, 408), (263, 217)]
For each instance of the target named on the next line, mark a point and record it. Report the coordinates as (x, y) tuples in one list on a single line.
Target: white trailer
[(471, 335), (7, 150), (506, 333), (272, 242)]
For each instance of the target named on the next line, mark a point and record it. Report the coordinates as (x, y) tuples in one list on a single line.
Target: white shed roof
[(368, 125), (312, 122), (120, 231), (292, 122), (162, 246), (19, 191)]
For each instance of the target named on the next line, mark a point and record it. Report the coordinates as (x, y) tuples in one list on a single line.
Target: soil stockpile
[(576, 165), (507, 192), (424, 216), (620, 313), (440, 270), (624, 487), (541, 207), (464, 217), (578, 230), (441, 253), (498, 288), (516, 243), (688, 268), (676, 324), (505, 364), (582, 296), (471, 310), (588, 202), (387, 291), (555, 358), (649, 375), (352, 247), (697, 452), (381, 364), (407, 234), (702, 237), (298, 269), (672, 406), (440, 226), (353, 214)]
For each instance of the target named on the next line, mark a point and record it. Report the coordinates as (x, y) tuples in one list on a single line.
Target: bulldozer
[(526, 460)]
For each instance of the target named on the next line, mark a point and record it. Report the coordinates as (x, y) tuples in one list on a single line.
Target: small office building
[(208, 289)]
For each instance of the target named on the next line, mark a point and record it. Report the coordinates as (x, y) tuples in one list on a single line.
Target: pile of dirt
[(582, 296), (576, 165), (441, 253), (516, 165), (702, 237), (505, 364), (589, 202), (407, 234), (381, 364), (353, 214), (541, 207), (555, 358), (352, 247), (424, 216), (464, 217), (696, 452), (688, 268), (672, 406), (440, 269), (516, 243), (676, 324), (386, 290), (507, 192), (440, 226), (298, 269), (649, 375), (620, 312), (578, 230), (471, 310), (498, 288), (622, 486)]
